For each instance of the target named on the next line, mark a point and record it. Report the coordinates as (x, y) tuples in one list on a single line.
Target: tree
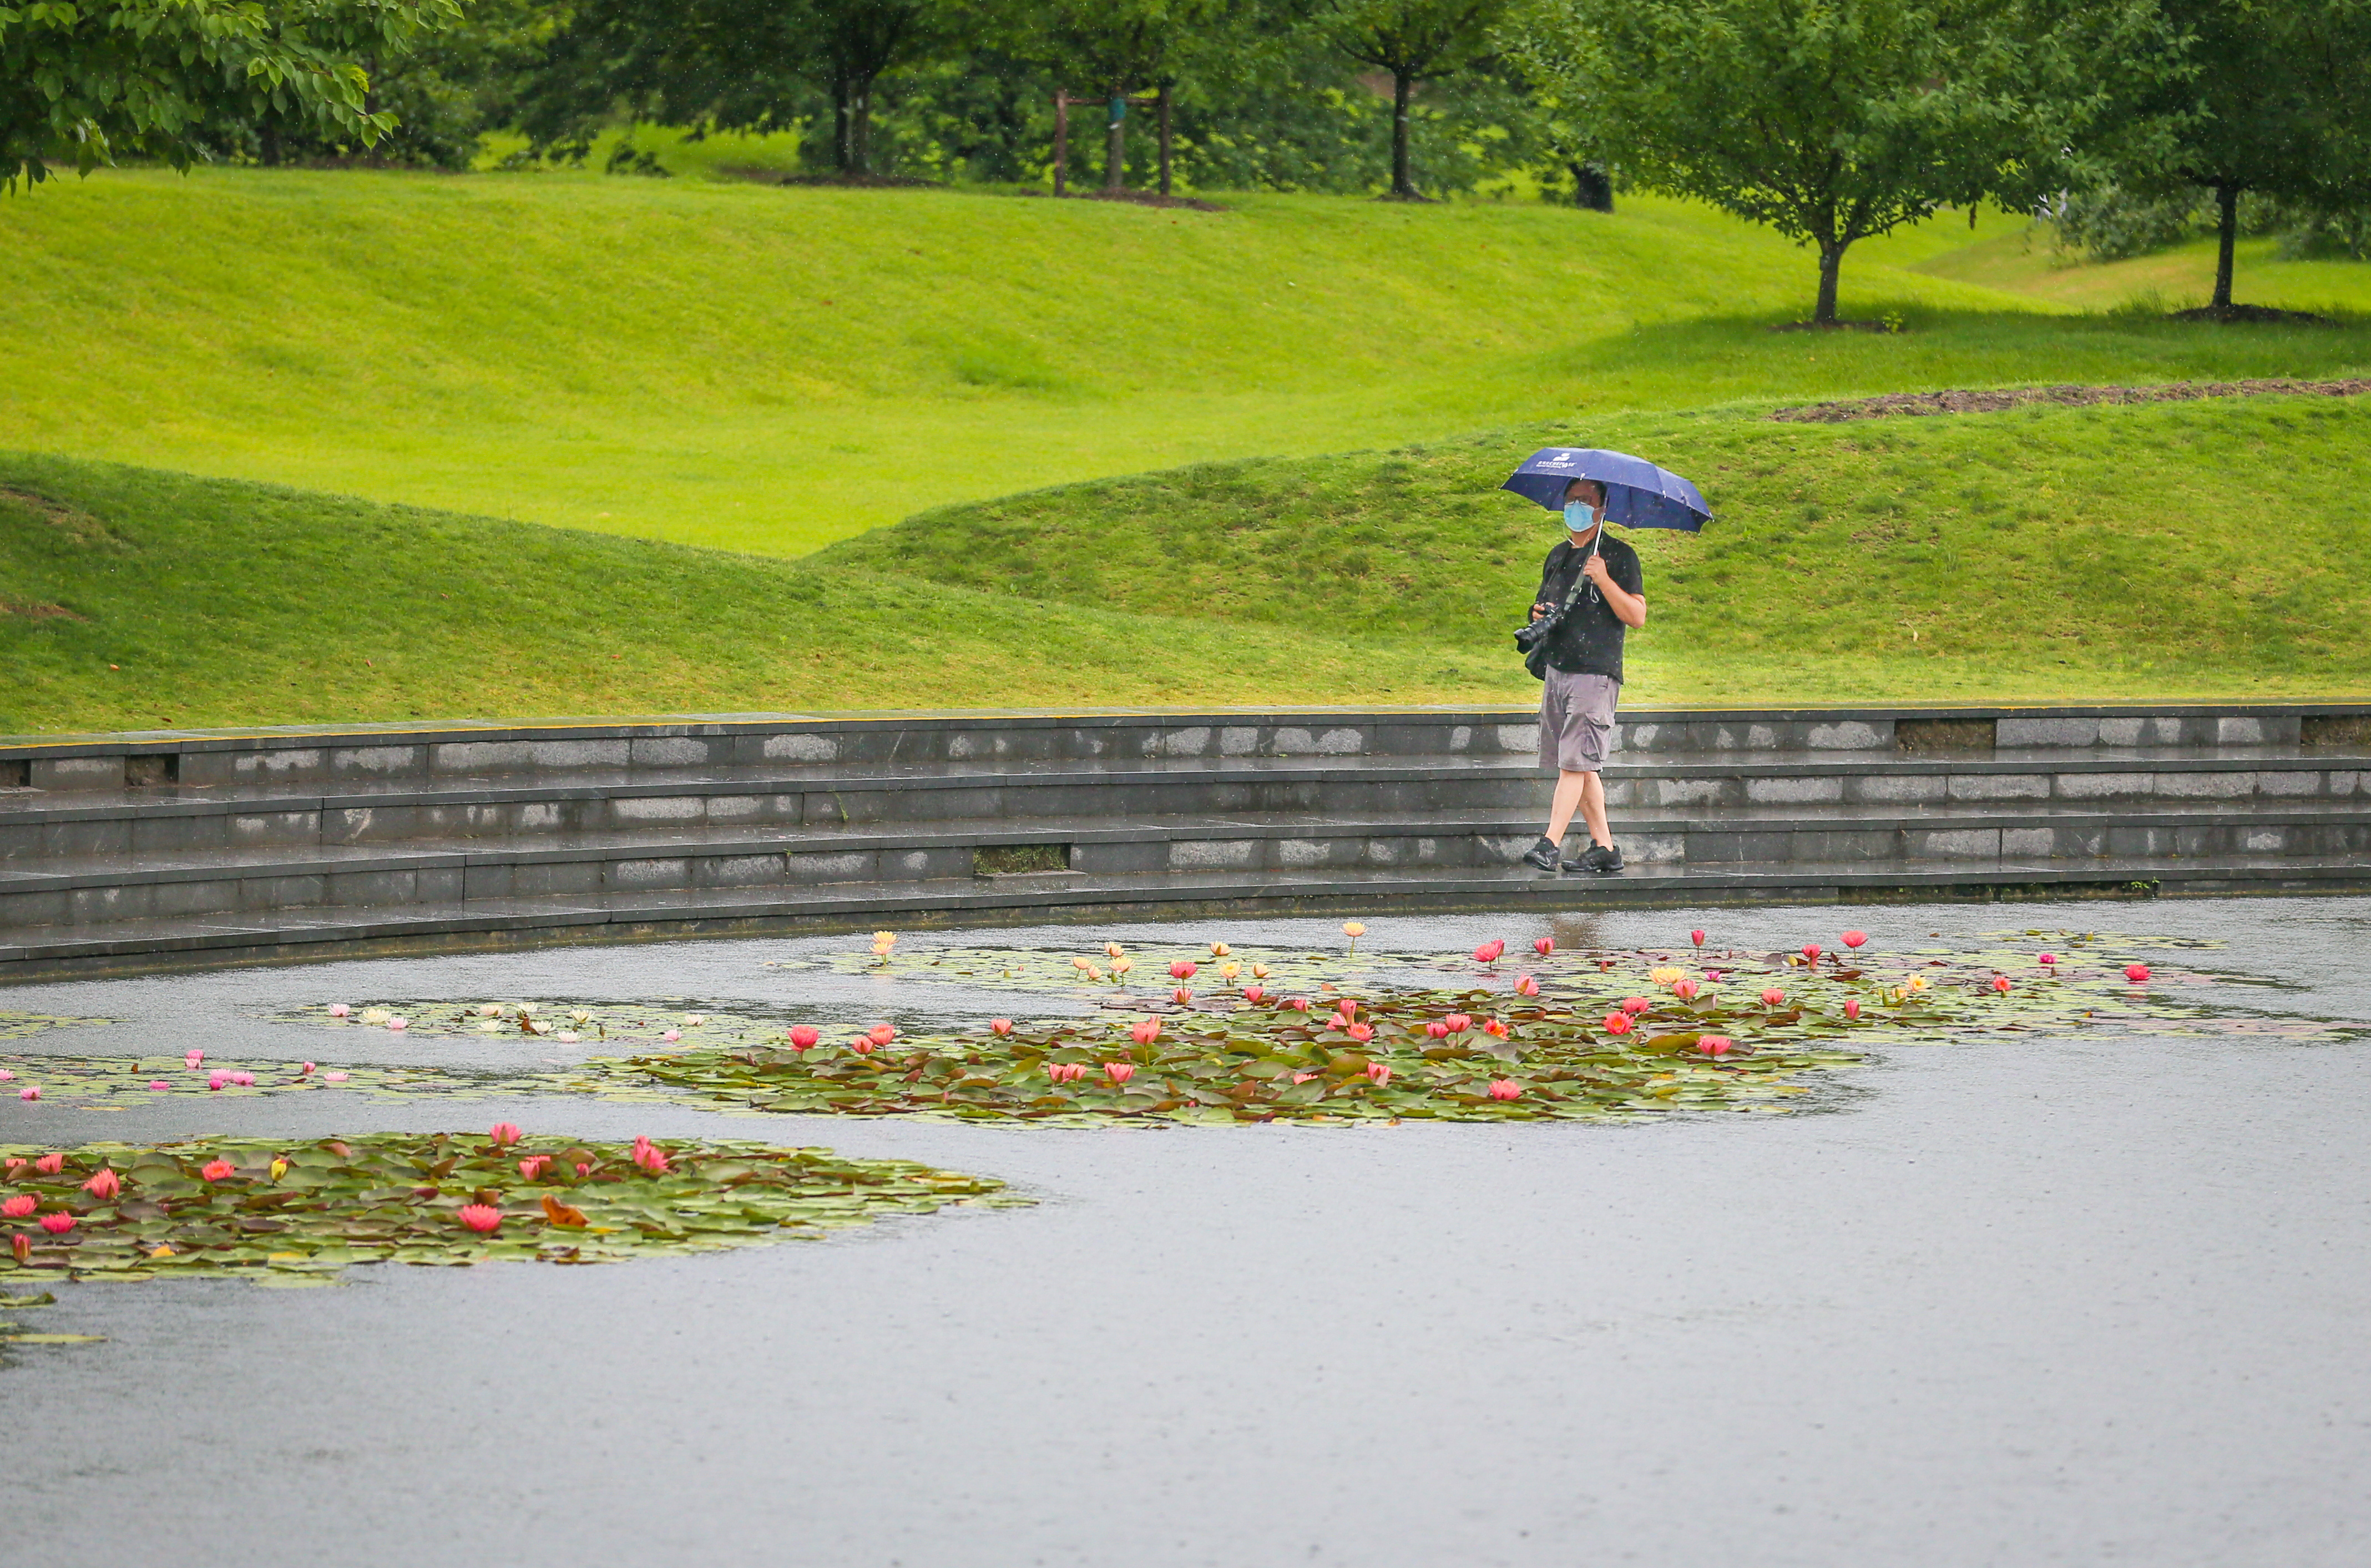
[(1832, 121), (2277, 101), (734, 65), (1414, 40), (81, 84), (1114, 47)]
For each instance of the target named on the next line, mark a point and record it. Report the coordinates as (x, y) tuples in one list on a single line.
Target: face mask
[(1579, 516)]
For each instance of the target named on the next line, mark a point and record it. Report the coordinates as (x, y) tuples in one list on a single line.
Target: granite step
[(133, 946), (83, 891)]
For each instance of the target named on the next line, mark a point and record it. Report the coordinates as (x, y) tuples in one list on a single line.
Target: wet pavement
[(2018, 1301)]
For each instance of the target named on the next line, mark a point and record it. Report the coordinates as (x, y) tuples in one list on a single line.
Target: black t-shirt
[(1590, 639)]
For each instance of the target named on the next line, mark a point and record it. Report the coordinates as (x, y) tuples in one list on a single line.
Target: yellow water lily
[(1664, 977)]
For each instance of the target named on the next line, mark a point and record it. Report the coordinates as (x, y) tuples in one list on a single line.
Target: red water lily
[(1544, 946), (480, 1218), (805, 1035), (1506, 1089), (1853, 939), (1617, 1023)]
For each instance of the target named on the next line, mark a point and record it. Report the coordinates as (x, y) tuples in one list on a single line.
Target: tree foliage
[(1412, 41), (1832, 121), (84, 84)]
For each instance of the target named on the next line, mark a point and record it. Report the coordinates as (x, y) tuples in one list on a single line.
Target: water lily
[(1220, 949), (531, 1168), (862, 1045), (104, 1185), (2137, 973), (1354, 930), (1182, 997), (50, 1164), (1000, 1026), (803, 1036), (1228, 972), (1113, 950), (218, 1171), (1495, 1028), (1915, 983), (480, 1218), (1636, 1004), (1684, 989), (566, 1037), (1506, 1089), (30, 1093), (1714, 1044), (18, 1206), (1458, 1023), (278, 1169), (1527, 986), (1811, 951), (1852, 1007), (2047, 958), (881, 942), (303, 1069), (1617, 1023), (1065, 1072), (192, 1057), (1544, 945), (670, 1036), (503, 1134), (1665, 975), (1259, 970), (1488, 951), (1297, 1004), (340, 1010), (1438, 1030), (57, 1223), (1182, 969), (490, 1009), (20, 1246), (336, 1078), (398, 1025), (1773, 997), (1379, 1073), (1360, 1032), (1853, 939), (883, 1033), (1347, 1005), (2000, 982), (1144, 1031), (1696, 937), (1119, 1072), (159, 1086)]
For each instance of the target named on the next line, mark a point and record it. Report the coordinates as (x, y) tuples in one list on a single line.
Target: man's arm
[(1628, 608)]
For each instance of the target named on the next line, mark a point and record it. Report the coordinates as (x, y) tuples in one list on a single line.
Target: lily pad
[(273, 1209)]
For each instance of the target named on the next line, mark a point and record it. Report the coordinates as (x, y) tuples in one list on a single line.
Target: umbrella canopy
[(1638, 493)]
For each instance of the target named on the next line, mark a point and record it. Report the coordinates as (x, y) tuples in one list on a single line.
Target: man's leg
[(1572, 794), (1592, 807)]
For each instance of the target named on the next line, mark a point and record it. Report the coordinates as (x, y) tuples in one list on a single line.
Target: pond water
[(2075, 1295)]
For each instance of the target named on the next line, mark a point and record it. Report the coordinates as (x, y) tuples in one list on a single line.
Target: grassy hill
[(770, 369), (2205, 548), (2213, 546)]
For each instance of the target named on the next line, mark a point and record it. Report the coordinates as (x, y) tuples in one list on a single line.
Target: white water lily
[(490, 1009)]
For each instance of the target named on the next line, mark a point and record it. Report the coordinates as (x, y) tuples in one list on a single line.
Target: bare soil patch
[(1996, 399), (75, 524)]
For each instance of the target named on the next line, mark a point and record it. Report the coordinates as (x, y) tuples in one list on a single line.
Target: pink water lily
[(480, 1218), (1773, 997), (1458, 1023), (1854, 938), (215, 1081), (1182, 997), (881, 1033), (1119, 1072), (57, 1223), (1506, 1089), (1852, 1007), (29, 1092), (336, 1078), (303, 1069), (50, 1164), (2137, 973), (1714, 1044), (1182, 969), (1254, 995), (1438, 1030), (1811, 951), (1144, 1031), (503, 1134), (1636, 1004), (218, 1171), (2000, 982), (1496, 1029), (1488, 951), (18, 1206), (862, 1045), (1297, 1004), (1617, 1023), (1065, 1072), (6, 1075), (191, 1058), (1696, 937), (1544, 945), (1360, 1032), (670, 1035), (1000, 1026), (398, 1025), (531, 1168), (340, 1010), (2047, 958), (1347, 1007), (104, 1185), (1684, 989), (1379, 1073), (1527, 986), (805, 1035)]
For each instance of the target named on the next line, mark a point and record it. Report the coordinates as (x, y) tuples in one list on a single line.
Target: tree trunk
[(839, 123), (1164, 138), (2226, 202), (1402, 187), (1593, 188), (1832, 262), (860, 131), (1116, 145), (270, 138), (1061, 142)]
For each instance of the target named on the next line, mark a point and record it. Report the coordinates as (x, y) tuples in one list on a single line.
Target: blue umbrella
[(1638, 493)]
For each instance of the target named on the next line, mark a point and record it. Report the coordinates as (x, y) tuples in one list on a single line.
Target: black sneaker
[(1545, 855), (1603, 860)]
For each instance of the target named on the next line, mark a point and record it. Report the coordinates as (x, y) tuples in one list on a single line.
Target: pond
[(1671, 1270)]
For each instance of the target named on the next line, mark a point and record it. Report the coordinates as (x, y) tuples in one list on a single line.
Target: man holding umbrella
[(1591, 592)]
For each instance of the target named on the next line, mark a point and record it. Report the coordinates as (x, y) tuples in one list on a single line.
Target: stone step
[(133, 946), (321, 755), (93, 889), (40, 826)]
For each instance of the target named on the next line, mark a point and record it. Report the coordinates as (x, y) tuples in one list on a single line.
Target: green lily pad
[(299, 1212)]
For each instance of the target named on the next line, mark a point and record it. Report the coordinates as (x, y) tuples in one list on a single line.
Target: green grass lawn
[(2193, 549), (770, 370)]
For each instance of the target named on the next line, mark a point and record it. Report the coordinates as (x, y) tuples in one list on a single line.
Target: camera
[(1530, 636)]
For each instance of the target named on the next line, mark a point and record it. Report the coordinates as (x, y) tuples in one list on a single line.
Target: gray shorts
[(1576, 720)]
